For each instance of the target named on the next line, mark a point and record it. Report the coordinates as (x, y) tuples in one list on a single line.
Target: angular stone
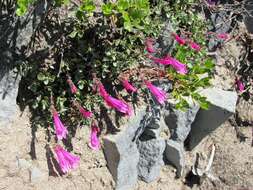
[(167, 41), (174, 153), (8, 93), (121, 152), (223, 105), (248, 19), (179, 122), (151, 159)]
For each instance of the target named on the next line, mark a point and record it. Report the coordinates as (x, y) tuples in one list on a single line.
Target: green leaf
[(73, 34), (128, 26), (81, 84), (88, 6), (46, 81), (122, 5), (204, 105), (107, 9), (209, 64), (41, 77), (21, 11)]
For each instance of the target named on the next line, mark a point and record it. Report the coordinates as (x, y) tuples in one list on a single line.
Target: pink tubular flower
[(180, 67), (195, 46), (240, 86), (118, 105), (66, 160), (60, 130), (94, 141), (223, 36), (102, 91), (85, 113), (72, 86), (129, 87), (180, 40), (149, 45), (113, 102), (159, 94)]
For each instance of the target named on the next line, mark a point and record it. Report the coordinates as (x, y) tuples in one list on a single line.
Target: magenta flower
[(66, 160), (94, 141), (180, 67), (158, 93), (102, 91), (149, 45), (195, 46), (118, 105), (180, 40), (60, 130), (240, 86), (113, 102), (223, 36), (85, 113), (72, 86), (129, 87)]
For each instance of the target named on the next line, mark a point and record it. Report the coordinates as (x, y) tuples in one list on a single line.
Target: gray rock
[(248, 18), (219, 23), (179, 122), (166, 41), (248, 21), (36, 175), (151, 159), (121, 152), (8, 94), (15, 35), (223, 105), (174, 153)]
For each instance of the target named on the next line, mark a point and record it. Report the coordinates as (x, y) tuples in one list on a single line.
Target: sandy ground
[(233, 162)]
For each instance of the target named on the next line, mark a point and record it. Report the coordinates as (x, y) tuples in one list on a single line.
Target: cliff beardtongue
[(129, 87), (60, 129), (66, 160), (117, 104), (158, 93), (149, 45), (94, 143), (72, 86)]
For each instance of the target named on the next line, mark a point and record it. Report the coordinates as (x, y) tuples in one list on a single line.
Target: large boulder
[(223, 105), (179, 122), (122, 154)]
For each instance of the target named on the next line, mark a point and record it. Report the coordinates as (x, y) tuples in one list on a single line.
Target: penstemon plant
[(106, 41)]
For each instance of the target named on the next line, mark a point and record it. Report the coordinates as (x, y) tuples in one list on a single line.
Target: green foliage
[(23, 6), (109, 39), (200, 66)]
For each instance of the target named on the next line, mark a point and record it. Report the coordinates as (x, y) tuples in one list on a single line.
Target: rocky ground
[(232, 166)]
